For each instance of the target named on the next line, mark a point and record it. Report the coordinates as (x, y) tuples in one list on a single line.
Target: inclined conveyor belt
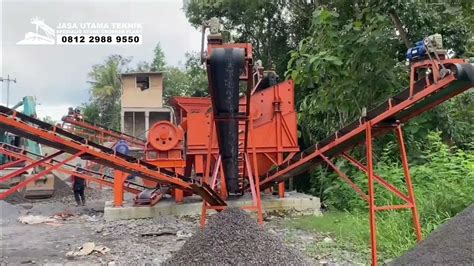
[(60, 139), (22, 153), (399, 108), (100, 128)]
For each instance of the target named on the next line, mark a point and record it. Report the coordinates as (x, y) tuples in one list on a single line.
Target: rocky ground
[(144, 241)]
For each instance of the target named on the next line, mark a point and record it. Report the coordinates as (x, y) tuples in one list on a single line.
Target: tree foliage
[(159, 62), (190, 80), (272, 27), (48, 119), (104, 105), (354, 58)]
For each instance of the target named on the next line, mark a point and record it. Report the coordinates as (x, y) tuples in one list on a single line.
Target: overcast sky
[(57, 75)]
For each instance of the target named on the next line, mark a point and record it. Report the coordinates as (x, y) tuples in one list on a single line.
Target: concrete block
[(293, 204)]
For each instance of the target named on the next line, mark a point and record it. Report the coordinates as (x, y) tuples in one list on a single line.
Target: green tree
[(143, 66), (104, 106), (353, 58), (158, 63), (272, 27), (190, 80)]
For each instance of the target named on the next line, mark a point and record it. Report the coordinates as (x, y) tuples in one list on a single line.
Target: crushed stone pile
[(232, 237), (450, 244)]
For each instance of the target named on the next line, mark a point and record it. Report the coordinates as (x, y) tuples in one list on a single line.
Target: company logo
[(43, 34), (83, 33)]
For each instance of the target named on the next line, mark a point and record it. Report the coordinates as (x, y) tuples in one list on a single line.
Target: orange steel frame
[(83, 150), (253, 178), (11, 164), (409, 199), (375, 127), (274, 131), (48, 170), (367, 128), (20, 156)]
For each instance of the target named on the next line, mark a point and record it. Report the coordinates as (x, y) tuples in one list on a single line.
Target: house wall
[(134, 97), (142, 108)]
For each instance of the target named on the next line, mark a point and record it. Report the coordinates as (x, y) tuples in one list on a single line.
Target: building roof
[(142, 73)]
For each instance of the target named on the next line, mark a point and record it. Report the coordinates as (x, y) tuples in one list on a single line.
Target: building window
[(143, 82)]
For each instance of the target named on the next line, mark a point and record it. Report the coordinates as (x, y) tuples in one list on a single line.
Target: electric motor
[(122, 147)]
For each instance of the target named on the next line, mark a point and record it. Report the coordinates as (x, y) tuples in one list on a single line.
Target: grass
[(443, 178), (351, 231), (342, 226)]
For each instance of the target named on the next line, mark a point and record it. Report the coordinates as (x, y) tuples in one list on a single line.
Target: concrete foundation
[(294, 203)]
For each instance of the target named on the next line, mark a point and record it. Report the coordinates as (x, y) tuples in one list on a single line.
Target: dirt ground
[(143, 241)]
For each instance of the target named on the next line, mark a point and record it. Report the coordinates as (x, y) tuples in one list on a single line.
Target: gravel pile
[(450, 244), (232, 237)]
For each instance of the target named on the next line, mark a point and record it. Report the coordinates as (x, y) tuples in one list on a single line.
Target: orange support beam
[(411, 193), (30, 166), (370, 176), (345, 178), (281, 190), (119, 179), (37, 176), (100, 181), (11, 164), (178, 195)]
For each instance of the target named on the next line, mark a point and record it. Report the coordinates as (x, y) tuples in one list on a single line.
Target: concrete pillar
[(147, 121), (122, 121)]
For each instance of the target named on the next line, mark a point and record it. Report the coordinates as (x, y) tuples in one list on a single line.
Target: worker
[(79, 186)]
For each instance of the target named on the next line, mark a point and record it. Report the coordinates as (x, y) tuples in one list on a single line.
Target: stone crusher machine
[(41, 188), (243, 138), (251, 118), (227, 140)]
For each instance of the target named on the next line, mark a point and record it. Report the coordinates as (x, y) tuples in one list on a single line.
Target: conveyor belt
[(225, 66), (60, 139), (97, 128), (27, 155), (399, 108)]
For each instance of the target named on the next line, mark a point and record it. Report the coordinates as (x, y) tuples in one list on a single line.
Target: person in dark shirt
[(79, 186)]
